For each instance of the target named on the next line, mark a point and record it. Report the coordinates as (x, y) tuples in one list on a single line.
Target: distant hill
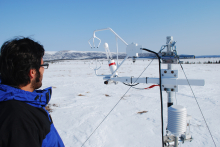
[(68, 54), (78, 55), (208, 56)]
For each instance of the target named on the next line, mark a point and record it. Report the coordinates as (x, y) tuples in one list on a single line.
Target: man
[(24, 122)]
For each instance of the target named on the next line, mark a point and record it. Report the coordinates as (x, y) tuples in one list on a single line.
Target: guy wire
[(114, 106), (197, 103)]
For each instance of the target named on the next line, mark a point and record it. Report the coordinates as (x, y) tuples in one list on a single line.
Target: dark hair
[(18, 56)]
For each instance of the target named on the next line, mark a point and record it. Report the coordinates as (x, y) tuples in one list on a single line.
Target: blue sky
[(69, 24)]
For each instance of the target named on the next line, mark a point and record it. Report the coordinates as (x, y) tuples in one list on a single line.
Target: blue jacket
[(24, 122)]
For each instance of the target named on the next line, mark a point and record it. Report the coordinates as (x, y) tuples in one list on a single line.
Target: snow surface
[(76, 117)]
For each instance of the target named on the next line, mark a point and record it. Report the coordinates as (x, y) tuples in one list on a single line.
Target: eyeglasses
[(45, 66)]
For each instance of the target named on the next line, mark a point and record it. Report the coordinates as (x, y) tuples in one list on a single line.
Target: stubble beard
[(37, 82)]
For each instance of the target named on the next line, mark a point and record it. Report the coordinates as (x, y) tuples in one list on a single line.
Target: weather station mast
[(178, 126)]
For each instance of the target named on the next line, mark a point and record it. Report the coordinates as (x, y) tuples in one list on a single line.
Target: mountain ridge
[(82, 55)]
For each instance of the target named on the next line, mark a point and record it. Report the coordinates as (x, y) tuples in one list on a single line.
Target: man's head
[(20, 63)]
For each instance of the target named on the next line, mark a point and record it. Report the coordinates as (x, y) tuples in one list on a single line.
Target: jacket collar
[(37, 98)]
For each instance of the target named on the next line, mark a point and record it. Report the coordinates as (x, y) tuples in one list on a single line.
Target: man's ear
[(32, 73)]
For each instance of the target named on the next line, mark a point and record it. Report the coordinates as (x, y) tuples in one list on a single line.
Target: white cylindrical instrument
[(112, 66), (108, 53), (177, 119)]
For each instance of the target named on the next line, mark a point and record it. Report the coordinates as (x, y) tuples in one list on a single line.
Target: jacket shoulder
[(20, 121)]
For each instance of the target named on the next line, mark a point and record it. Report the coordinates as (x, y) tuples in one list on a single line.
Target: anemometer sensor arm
[(93, 37)]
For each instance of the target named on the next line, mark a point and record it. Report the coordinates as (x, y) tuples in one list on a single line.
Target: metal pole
[(170, 94), (117, 48), (176, 141)]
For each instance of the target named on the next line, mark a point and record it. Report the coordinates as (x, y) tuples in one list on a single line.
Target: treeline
[(206, 62)]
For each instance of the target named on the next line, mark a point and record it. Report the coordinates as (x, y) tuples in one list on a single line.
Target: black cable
[(130, 84), (161, 97)]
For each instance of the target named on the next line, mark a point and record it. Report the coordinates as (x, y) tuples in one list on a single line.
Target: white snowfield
[(82, 101)]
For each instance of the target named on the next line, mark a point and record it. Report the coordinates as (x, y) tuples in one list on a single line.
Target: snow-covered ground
[(82, 101)]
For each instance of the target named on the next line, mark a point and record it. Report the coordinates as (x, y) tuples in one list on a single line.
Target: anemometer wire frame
[(93, 37), (115, 106)]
